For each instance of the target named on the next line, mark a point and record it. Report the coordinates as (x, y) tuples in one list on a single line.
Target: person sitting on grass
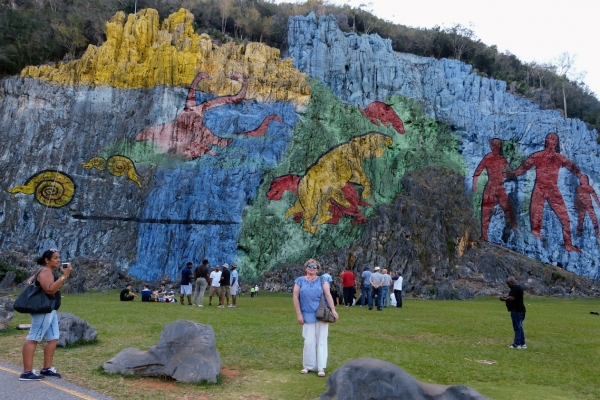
[(127, 294)]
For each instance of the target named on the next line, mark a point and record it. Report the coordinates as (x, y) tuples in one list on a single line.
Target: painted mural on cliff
[(533, 212), (222, 138)]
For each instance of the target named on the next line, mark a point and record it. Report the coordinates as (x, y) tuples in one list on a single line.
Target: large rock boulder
[(186, 351), (73, 330), (368, 378), (6, 312)]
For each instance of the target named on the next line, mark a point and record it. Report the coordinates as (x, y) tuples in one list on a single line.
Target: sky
[(533, 30)]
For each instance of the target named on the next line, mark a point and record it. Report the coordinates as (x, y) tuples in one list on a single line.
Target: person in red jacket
[(348, 285)]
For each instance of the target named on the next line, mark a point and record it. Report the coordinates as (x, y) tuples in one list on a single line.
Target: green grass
[(260, 345)]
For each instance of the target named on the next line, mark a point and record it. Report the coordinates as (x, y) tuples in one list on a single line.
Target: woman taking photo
[(308, 290), (45, 325)]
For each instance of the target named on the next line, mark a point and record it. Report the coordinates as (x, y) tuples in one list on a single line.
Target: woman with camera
[(45, 325)]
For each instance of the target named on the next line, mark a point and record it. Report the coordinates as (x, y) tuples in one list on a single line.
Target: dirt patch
[(229, 373), (155, 383)]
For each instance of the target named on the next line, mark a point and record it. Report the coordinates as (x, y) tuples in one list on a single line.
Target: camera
[(65, 265)]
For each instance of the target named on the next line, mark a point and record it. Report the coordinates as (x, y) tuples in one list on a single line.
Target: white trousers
[(314, 356)]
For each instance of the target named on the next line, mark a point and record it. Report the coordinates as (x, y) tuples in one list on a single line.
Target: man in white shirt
[(215, 278), (398, 288)]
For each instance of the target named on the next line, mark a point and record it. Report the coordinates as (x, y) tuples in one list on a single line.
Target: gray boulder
[(371, 379), (73, 330), (6, 312), (186, 351)]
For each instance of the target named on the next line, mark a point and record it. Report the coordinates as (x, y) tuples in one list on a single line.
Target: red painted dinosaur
[(378, 111), (290, 182)]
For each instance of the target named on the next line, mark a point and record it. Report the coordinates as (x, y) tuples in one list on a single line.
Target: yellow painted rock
[(141, 53), (51, 188)]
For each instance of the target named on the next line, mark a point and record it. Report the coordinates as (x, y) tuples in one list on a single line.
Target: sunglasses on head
[(313, 266), (54, 250)]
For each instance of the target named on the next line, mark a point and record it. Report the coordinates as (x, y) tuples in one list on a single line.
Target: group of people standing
[(221, 281), (375, 287)]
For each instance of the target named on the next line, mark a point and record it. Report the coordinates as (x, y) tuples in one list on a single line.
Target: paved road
[(11, 388)]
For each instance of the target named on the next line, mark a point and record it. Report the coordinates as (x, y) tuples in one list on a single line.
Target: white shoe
[(321, 373), (200, 305), (231, 306)]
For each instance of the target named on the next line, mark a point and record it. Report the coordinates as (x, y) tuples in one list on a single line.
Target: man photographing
[(516, 307)]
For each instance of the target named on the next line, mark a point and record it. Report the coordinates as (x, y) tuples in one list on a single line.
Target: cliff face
[(547, 198), (159, 148)]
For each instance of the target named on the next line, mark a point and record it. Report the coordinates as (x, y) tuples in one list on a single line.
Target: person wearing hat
[(377, 280), (365, 286), (235, 284), (225, 282)]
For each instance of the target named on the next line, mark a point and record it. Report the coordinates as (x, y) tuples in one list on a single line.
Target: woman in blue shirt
[(308, 290)]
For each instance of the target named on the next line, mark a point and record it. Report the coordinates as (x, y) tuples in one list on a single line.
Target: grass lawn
[(260, 344)]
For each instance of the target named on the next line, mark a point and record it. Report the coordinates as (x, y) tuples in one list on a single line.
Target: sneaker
[(221, 306), (231, 306), (31, 376), (304, 370), (513, 346), (522, 347), (50, 372), (200, 305), (321, 373)]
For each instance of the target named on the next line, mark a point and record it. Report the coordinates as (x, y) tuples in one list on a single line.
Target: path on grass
[(48, 389)]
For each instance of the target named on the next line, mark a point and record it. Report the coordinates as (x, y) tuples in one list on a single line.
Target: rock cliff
[(159, 148)]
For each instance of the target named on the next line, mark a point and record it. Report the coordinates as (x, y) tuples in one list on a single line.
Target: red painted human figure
[(290, 182), (583, 203), (547, 165), (494, 192)]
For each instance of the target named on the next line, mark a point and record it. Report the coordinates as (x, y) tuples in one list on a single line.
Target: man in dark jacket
[(516, 307)]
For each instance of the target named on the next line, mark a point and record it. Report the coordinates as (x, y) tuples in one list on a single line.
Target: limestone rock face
[(74, 330), (368, 378), (6, 312), (362, 69), (186, 352)]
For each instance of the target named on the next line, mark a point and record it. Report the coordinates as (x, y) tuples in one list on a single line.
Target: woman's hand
[(67, 271), (335, 314), (300, 319)]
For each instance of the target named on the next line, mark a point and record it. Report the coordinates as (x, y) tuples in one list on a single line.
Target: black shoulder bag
[(33, 300)]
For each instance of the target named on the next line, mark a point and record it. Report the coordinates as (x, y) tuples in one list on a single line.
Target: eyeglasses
[(313, 266)]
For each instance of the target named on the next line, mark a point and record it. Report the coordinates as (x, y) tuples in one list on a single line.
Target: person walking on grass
[(45, 325), (186, 283), (201, 273), (516, 307), (307, 293)]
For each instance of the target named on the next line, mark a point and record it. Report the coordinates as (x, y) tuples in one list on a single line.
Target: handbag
[(324, 313), (33, 300)]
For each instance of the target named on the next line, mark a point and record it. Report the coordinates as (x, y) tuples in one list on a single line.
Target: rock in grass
[(6, 312), (73, 330), (186, 352), (368, 378)]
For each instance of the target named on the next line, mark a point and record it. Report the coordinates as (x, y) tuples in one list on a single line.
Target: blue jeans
[(365, 295), (385, 296), (517, 321), (375, 292)]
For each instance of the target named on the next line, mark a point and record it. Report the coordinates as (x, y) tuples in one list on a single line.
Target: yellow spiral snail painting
[(116, 165), (51, 188)]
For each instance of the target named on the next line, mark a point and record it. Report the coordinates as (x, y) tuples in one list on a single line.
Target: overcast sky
[(533, 30)]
